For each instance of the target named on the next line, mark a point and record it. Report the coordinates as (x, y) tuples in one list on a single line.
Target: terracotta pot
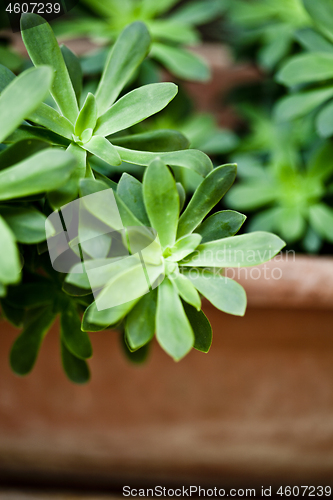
[(256, 410)]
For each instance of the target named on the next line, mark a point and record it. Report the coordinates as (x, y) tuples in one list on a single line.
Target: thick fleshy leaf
[(188, 158), (26, 132), (74, 69), (206, 196), (21, 97), (87, 117), (321, 12), (135, 107), (19, 151), (198, 12), (186, 290), (245, 250), (155, 141), (220, 225), (136, 356), (76, 341), (140, 323), (50, 118), (106, 317), (102, 148), (182, 195), (321, 218), (10, 266), (311, 40), (41, 172), (69, 191), (306, 68), (25, 349), (43, 48), (130, 190), (173, 330), (291, 224), (75, 368), (297, 105), (183, 247), (252, 195), (176, 32), (161, 201), (224, 293), (126, 55), (3, 292), (202, 330), (324, 121), (180, 62), (6, 77), (27, 223)]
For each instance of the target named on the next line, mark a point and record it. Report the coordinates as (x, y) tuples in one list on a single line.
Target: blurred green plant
[(286, 179), (170, 31), (269, 24), (309, 75)]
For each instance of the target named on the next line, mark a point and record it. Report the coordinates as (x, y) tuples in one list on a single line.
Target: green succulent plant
[(309, 75), (169, 31), (271, 24)]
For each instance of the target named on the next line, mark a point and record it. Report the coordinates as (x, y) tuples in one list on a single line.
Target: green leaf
[(161, 201), (87, 117), (43, 48), (252, 195), (3, 292), (69, 191), (19, 151), (10, 265), (186, 290), (76, 369), (154, 141), (188, 158), (21, 97), (50, 118), (164, 30), (6, 77), (324, 121), (180, 62), (206, 196), (182, 195), (183, 247), (198, 12), (130, 191), (306, 68), (311, 40), (27, 223), (140, 323), (105, 317), (244, 250), (297, 105), (291, 224), (173, 330), (76, 341), (41, 172), (137, 356), (74, 69), (126, 55), (25, 349), (102, 148), (224, 293), (321, 12), (220, 225), (321, 218), (135, 107), (202, 330), (26, 132)]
